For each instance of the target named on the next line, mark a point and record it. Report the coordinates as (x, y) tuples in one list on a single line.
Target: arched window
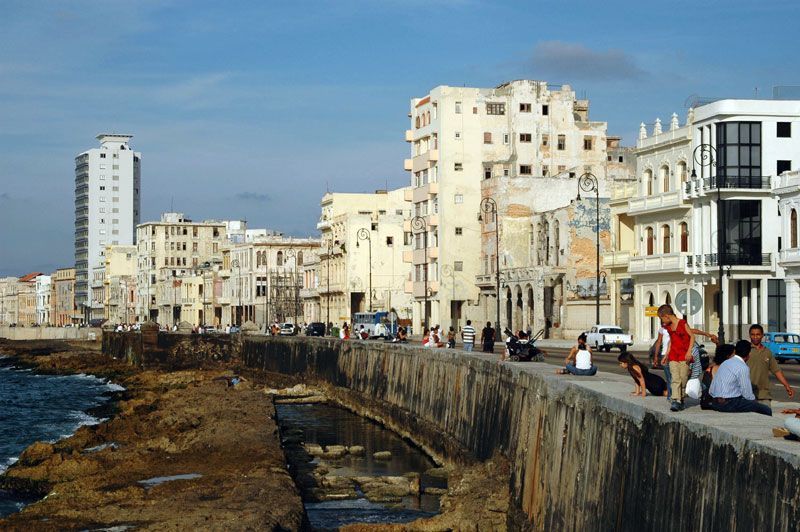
[(556, 242), (650, 241), (665, 177), (793, 229), (684, 237), (648, 179), (547, 243), (280, 258), (665, 239), (417, 122), (299, 258), (428, 117), (682, 173)]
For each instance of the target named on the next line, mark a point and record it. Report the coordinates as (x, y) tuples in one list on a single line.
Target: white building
[(752, 142), (787, 190), (43, 285), (107, 200), (518, 131)]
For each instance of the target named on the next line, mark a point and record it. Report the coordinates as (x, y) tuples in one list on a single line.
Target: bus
[(377, 324)]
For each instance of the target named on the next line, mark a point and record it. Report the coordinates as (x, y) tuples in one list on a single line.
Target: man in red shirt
[(681, 340)]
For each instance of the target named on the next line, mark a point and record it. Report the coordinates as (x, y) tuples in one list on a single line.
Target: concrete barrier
[(50, 333), (584, 454)]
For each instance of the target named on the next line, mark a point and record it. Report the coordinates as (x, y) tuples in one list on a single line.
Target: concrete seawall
[(49, 333), (584, 455)]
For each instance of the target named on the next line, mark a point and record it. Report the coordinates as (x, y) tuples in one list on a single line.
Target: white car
[(602, 337), (288, 329)]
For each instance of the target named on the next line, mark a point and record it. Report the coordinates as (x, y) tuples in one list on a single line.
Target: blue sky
[(251, 109)]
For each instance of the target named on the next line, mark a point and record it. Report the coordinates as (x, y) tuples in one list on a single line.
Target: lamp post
[(363, 234), (489, 206), (235, 264), (588, 183), (418, 224), (328, 293), (705, 155), (291, 254)]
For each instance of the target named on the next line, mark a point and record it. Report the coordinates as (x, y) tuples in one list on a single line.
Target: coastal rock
[(36, 453), (382, 455), (356, 450), (384, 489), (334, 451)]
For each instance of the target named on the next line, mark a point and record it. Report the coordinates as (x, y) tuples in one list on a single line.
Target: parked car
[(210, 329), (315, 328), (234, 329), (607, 336), (784, 345), (288, 329)]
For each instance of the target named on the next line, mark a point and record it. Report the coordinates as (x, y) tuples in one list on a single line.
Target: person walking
[(487, 338), (468, 336), (731, 389), (761, 363), (681, 342)]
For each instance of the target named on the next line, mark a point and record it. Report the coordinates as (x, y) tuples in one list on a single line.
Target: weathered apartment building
[(513, 155)]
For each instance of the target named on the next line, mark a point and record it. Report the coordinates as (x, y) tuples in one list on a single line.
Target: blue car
[(785, 346)]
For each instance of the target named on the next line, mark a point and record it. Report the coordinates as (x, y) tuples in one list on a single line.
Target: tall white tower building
[(107, 200)]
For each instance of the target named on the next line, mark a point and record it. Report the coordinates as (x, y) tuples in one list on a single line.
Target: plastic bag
[(694, 389)]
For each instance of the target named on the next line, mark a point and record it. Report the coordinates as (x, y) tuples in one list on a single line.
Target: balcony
[(623, 190), (419, 288), (409, 135), (699, 186), (661, 202), (486, 280), (733, 259), (408, 256), (421, 193), (423, 161), (669, 263), (323, 224), (616, 259), (408, 287), (309, 293), (408, 164), (408, 194)]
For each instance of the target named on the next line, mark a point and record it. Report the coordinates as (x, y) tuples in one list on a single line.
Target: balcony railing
[(731, 259), (739, 182)]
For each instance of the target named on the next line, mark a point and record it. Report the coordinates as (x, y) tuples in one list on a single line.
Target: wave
[(113, 387), (8, 463)]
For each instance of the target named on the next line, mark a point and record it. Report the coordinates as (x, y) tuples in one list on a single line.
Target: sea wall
[(49, 333), (584, 455)]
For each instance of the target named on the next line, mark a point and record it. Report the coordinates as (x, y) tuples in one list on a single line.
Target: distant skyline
[(252, 110)]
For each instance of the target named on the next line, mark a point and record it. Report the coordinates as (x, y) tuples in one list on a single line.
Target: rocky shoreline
[(182, 449)]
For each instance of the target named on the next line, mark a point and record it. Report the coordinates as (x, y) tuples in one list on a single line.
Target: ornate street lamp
[(363, 234), (328, 294), (705, 155), (588, 183), (419, 225), (291, 254), (489, 206), (235, 264)]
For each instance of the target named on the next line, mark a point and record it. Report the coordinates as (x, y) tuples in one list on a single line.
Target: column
[(754, 317), (725, 312), (763, 300), (792, 305), (744, 301)]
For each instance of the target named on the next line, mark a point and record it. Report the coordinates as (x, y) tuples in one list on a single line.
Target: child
[(645, 381), (681, 342)]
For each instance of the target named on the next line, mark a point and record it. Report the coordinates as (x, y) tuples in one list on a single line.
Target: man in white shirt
[(731, 388)]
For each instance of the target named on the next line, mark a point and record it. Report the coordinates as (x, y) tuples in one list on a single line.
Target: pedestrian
[(468, 336), (487, 338), (761, 363), (681, 342), (579, 360), (451, 338), (645, 381), (731, 389)]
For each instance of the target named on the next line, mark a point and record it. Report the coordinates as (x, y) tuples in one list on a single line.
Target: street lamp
[(291, 254), (363, 234), (705, 155), (588, 183), (328, 294), (235, 264), (419, 225), (489, 206)]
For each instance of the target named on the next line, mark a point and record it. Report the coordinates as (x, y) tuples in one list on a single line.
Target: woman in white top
[(579, 361)]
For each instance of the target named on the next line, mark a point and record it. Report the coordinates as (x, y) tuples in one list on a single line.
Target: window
[(115, 221), (102, 155), (776, 304), (665, 238), (115, 167), (650, 240), (459, 231), (390, 241), (620, 158), (102, 177), (102, 209), (505, 138), (458, 108), (487, 137), (115, 156), (102, 188), (102, 199), (374, 226), (114, 189), (458, 266), (115, 178), (545, 110), (793, 229), (784, 130), (458, 167), (458, 135), (739, 154), (102, 167), (562, 168), (474, 110), (458, 199), (742, 232), (684, 237), (784, 166), (587, 143), (562, 142), (524, 108), (505, 172), (545, 140), (115, 200), (545, 170), (524, 137), (194, 247), (495, 108), (525, 169), (487, 172)]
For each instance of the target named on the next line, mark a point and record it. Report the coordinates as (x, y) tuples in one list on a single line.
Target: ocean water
[(42, 408)]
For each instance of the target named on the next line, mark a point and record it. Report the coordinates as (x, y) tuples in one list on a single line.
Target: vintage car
[(784, 345)]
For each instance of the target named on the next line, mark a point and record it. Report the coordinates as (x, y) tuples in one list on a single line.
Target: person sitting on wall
[(363, 334), (436, 338), (645, 381), (426, 338), (451, 338), (402, 336), (731, 389), (579, 360)]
